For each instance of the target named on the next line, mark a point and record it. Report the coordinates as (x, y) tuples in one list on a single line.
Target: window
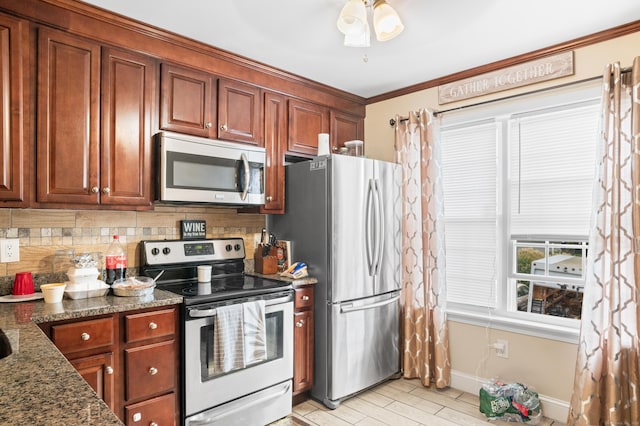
[(517, 180)]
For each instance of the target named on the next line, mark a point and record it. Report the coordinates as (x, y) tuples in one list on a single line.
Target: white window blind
[(469, 175), (552, 165)]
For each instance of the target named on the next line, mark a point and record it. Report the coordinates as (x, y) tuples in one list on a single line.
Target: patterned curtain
[(606, 382), (426, 337)]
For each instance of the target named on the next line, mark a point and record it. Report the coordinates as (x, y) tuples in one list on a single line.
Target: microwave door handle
[(245, 164)]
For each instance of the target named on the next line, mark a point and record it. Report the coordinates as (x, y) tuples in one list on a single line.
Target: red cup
[(23, 284)]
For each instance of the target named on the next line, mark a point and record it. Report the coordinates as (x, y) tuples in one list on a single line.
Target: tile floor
[(398, 402)]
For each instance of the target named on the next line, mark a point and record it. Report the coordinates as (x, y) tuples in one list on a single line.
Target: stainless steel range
[(237, 332)]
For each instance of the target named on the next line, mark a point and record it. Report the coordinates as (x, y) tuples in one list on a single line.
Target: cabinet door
[(239, 112), (128, 92), (187, 101), (303, 351), (13, 139), (68, 118), (275, 132), (98, 371), (344, 128), (306, 120)]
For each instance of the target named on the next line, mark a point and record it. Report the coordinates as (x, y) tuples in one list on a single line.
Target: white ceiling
[(441, 37)]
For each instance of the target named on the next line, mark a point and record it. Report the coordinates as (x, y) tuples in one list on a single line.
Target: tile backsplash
[(43, 232)]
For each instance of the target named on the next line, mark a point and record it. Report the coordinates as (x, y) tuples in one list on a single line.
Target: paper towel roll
[(323, 144)]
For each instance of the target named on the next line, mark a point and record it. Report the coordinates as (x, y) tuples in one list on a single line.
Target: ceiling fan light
[(353, 18), (358, 40), (386, 22)]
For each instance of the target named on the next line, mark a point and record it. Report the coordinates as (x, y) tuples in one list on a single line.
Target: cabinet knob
[(223, 127), (153, 371), (94, 189), (106, 190), (108, 370), (208, 125), (269, 198), (153, 424), (299, 323), (305, 298), (85, 336), (153, 325)]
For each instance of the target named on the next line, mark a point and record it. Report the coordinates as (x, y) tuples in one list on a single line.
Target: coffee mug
[(23, 284)]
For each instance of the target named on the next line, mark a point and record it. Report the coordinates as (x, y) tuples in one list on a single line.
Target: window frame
[(502, 317)]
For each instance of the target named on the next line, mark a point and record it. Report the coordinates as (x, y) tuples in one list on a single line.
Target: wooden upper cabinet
[(306, 120), (14, 178), (68, 118), (128, 93), (187, 101), (275, 133), (344, 128), (239, 112)]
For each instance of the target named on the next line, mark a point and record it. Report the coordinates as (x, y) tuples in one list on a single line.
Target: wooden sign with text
[(543, 69)]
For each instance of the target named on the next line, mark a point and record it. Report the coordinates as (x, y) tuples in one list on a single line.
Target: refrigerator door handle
[(379, 229), (348, 307), (369, 229)]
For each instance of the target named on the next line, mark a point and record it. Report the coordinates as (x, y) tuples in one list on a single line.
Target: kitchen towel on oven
[(255, 335), (228, 338)]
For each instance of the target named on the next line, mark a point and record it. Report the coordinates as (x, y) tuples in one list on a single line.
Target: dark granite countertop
[(38, 386)]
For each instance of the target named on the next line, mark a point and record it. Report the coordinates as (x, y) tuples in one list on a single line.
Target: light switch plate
[(10, 250)]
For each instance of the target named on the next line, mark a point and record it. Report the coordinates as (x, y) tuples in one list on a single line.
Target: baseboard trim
[(552, 408)]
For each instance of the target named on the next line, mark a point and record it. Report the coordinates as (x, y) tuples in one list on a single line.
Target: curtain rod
[(392, 121)]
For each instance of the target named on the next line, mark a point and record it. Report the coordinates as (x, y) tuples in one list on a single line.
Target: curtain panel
[(425, 333), (607, 381)]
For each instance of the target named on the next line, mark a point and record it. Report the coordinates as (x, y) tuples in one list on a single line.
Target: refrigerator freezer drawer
[(365, 344)]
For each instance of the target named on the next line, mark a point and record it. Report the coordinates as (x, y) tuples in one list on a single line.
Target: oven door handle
[(204, 313), (247, 176)]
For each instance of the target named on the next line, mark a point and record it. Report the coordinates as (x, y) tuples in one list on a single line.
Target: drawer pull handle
[(305, 298), (223, 127), (94, 189), (208, 125), (153, 424), (153, 325), (269, 198), (85, 336), (109, 370), (153, 371), (299, 323)]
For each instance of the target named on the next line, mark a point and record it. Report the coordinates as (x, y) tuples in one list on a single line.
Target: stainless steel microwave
[(200, 170)]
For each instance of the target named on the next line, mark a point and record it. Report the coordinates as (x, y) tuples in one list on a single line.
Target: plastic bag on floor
[(511, 402)]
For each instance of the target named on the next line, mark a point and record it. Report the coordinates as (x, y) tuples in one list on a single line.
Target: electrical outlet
[(10, 250), (502, 348)]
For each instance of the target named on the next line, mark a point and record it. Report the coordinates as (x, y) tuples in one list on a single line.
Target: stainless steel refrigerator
[(343, 218)]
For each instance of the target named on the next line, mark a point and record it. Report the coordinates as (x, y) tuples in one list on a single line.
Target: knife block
[(265, 264)]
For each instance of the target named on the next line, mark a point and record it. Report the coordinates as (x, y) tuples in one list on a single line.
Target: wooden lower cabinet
[(97, 370), (303, 340), (130, 359)]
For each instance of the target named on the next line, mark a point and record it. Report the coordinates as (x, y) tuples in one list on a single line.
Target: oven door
[(203, 170), (206, 386)]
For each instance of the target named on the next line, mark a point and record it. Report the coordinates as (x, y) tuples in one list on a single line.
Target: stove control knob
[(166, 250), (228, 247), (155, 251), (237, 247)]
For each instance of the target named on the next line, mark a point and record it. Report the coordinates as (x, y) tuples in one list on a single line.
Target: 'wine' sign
[(193, 229), (543, 69)]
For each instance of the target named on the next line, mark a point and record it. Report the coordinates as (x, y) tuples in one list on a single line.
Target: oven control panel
[(160, 252)]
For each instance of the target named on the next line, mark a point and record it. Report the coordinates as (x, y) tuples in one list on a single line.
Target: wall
[(545, 364), (42, 232)]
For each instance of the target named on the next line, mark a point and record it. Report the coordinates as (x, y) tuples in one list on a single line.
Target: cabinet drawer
[(303, 298), (84, 335), (151, 369), (160, 411), (150, 324)]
